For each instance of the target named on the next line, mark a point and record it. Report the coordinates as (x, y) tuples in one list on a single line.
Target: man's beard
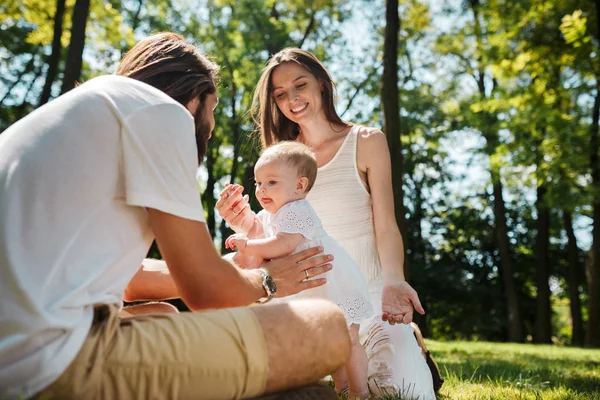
[(203, 133)]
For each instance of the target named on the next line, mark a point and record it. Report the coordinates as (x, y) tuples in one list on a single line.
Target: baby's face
[(277, 184)]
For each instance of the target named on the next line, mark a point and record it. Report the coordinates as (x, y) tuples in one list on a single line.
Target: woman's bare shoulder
[(370, 138), (372, 144)]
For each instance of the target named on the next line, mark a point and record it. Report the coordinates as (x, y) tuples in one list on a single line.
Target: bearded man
[(87, 182)]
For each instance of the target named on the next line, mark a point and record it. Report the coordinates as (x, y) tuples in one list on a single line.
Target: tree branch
[(309, 28), (19, 78), (358, 88)]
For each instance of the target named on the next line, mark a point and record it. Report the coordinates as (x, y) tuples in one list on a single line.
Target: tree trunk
[(246, 183), (208, 197), (515, 323), (76, 45), (543, 323), (54, 57), (235, 130), (593, 332), (419, 255), (592, 338), (574, 281), (391, 117)]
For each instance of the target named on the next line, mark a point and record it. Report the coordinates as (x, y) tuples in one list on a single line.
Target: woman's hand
[(398, 299), (295, 273), (234, 208)]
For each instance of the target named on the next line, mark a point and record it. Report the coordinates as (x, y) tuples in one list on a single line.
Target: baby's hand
[(238, 240)]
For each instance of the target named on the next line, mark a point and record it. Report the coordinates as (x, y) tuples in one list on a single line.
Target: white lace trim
[(356, 308)]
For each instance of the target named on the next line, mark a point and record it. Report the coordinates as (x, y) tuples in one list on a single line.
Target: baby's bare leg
[(340, 379), (356, 367)]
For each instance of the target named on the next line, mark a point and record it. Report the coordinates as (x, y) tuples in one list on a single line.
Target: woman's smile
[(299, 108)]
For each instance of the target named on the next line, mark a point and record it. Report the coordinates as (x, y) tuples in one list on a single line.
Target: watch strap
[(268, 286)]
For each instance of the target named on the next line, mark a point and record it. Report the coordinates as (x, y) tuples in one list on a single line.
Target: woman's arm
[(398, 297), (374, 159), (234, 209)]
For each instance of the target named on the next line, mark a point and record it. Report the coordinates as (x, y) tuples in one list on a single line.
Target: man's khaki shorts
[(204, 355)]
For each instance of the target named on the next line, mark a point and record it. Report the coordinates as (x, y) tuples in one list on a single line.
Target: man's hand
[(295, 273), (238, 240), (398, 299)]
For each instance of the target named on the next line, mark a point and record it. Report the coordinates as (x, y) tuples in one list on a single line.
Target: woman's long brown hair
[(270, 123)]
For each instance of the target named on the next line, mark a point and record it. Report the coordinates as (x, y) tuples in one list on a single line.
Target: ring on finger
[(306, 273)]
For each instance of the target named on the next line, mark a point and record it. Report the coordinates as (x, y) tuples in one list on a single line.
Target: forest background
[(491, 109)]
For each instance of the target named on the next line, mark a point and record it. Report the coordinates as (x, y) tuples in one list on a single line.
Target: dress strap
[(346, 150)]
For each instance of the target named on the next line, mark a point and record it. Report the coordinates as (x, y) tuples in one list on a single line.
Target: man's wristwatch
[(268, 284)]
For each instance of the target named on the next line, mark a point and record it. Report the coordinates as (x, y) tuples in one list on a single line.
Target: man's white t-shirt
[(76, 177)]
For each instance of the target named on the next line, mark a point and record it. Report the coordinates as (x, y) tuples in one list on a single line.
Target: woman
[(353, 196)]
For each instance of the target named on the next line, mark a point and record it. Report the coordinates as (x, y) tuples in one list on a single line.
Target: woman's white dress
[(344, 205), (345, 285)]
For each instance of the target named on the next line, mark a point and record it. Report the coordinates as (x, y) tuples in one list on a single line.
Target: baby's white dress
[(345, 285)]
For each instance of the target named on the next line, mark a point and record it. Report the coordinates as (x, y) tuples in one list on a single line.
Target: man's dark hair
[(171, 64)]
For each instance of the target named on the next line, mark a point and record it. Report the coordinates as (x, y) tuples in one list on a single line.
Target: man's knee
[(336, 327), (306, 340), (332, 320), (323, 323)]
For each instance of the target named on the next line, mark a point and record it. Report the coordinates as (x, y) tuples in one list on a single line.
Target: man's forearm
[(153, 281)]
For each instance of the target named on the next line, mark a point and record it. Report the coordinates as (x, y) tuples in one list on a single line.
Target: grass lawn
[(481, 370)]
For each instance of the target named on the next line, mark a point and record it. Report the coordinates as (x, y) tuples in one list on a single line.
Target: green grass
[(500, 371), (490, 371)]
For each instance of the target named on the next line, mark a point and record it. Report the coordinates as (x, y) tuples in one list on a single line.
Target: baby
[(284, 175)]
